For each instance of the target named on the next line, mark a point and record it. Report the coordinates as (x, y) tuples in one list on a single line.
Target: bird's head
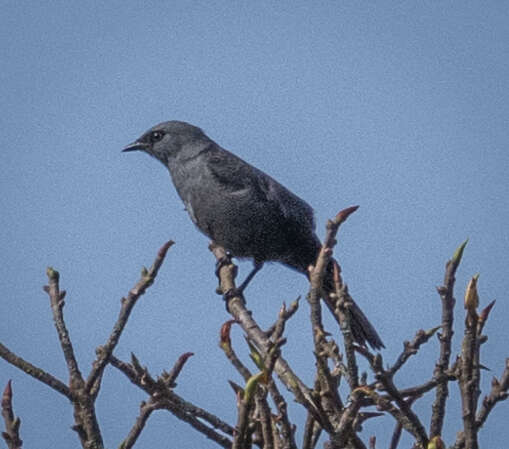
[(166, 140)]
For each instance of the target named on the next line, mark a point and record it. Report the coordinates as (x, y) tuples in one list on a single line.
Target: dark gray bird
[(240, 207)]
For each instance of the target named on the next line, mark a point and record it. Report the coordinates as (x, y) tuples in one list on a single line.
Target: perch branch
[(237, 308)]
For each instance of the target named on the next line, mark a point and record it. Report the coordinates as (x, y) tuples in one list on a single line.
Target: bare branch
[(404, 415), (12, 423), (266, 421), (345, 430), (241, 434), (57, 305), (146, 408), (287, 431), (169, 400), (226, 345), (447, 297), (499, 392), (86, 424), (327, 385), (469, 375), (34, 371), (192, 419), (170, 378), (343, 303), (312, 432), (411, 348), (104, 352), (237, 308), (277, 329), (396, 434)]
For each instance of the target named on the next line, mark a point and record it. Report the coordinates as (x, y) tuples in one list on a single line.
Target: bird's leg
[(257, 266), (240, 289), (224, 260)]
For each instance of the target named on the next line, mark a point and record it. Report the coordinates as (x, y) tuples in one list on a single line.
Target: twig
[(345, 428), (105, 351), (285, 313), (240, 436), (411, 348), (57, 305), (447, 297), (86, 424), (226, 345), (311, 430), (398, 428), (499, 392), (384, 403), (328, 388), (404, 415), (265, 419), (419, 390), (396, 435), (170, 378), (192, 420), (418, 430), (146, 408), (169, 400), (342, 304), (35, 372), (287, 431), (240, 313), (245, 400), (12, 423), (469, 375)]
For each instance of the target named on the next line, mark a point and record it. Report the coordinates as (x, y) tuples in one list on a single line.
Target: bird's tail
[(362, 330)]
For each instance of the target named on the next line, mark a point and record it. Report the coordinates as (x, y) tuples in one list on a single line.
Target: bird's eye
[(156, 136)]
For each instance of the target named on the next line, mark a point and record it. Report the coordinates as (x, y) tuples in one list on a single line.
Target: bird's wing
[(238, 175), (230, 171)]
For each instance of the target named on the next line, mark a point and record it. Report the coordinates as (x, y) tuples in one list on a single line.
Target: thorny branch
[(268, 425)]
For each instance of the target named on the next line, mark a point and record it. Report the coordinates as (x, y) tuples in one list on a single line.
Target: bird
[(241, 208)]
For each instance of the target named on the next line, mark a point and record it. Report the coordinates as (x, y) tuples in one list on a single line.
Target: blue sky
[(401, 107)]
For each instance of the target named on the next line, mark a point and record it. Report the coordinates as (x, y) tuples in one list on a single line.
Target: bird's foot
[(223, 261), (233, 293)]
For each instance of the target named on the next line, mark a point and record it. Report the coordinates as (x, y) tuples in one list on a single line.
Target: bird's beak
[(135, 146)]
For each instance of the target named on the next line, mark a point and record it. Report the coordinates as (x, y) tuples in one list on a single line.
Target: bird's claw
[(233, 293), (223, 261)]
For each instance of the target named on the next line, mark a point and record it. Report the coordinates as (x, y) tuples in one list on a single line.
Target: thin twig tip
[(345, 213), (7, 395), (164, 249), (183, 358)]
